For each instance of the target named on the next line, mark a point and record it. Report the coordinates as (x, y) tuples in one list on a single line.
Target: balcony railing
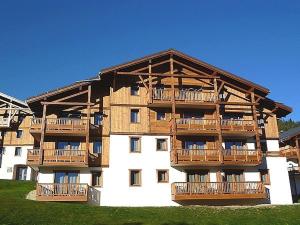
[(62, 192), (60, 125), (237, 125), (58, 157), (196, 124), (4, 122), (183, 95), (290, 152), (215, 156), (217, 190), (196, 155)]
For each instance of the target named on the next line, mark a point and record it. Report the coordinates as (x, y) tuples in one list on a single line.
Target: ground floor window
[(97, 178), (70, 177), (21, 172), (135, 178), (162, 176)]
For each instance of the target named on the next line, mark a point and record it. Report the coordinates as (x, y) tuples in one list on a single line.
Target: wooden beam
[(152, 65), (71, 96), (87, 138), (66, 103), (195, 70), (141, 78), (166, 75), (220, 87), (238, 103), (257, 138), (42, 134)]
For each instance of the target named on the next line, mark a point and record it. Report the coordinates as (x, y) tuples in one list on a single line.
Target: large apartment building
[(163, 130)]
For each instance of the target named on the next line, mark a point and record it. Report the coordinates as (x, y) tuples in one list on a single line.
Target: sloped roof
[(286, 135), (60, 90), (187, 57), (15, 101)]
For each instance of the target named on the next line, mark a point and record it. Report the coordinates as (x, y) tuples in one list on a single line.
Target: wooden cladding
[(62, 157), (241, 157), (62, 192), (217, 190)]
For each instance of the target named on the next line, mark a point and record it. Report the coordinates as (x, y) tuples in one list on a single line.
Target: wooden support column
[(218, 118), (43, 134), (298, 150), (257, 138), (88, 116), (173, 131), (150, 82)]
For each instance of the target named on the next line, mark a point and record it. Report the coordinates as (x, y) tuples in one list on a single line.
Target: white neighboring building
[(15, 139)]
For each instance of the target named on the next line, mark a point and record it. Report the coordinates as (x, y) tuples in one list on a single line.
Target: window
[(19, 133), (73, 115), (233, 176), (97, 147), (234, 145), (135, 178), (191, 115), (97, 179), (2, 150), (135, 144), (160, 116), (134, 90), (161, 144), (162, 176), (134, 116), (21, 173), (68, 145), (264, 176), (98, 118), (18, 151), (3, 133), (198, 176), (21, 117), (70, 177), (194, 145)]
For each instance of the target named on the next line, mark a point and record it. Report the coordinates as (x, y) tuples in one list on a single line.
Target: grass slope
[(15, 209)]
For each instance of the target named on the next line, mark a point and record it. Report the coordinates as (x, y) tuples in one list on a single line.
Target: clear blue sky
[(48, 44)]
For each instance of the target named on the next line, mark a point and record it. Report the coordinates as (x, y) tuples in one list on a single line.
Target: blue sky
[(48, 44)]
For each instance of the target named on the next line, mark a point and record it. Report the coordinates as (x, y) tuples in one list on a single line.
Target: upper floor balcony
[(62, 157), (192, 126), (217, 190), (206, 157), (60, 126), (238, 127), (290, 152), (76, 192), (183, 97)]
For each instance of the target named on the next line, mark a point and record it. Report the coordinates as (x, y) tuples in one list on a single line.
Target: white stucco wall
[(272, 145), (116, 190), (280, 191), (9, 160)]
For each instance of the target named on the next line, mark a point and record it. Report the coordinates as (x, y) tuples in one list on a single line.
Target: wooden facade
[(169, 94)]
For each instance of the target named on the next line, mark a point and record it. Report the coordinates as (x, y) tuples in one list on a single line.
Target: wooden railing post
[(44, 120)]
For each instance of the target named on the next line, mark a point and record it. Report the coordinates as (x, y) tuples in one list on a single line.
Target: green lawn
[(15, 209)]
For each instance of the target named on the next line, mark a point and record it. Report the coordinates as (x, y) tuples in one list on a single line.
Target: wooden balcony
[(183, 97), (62, 192), (237, 127), (290, 152), (58, 157), (60, 126), (217, 190), (192, 126), (204, 157)]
